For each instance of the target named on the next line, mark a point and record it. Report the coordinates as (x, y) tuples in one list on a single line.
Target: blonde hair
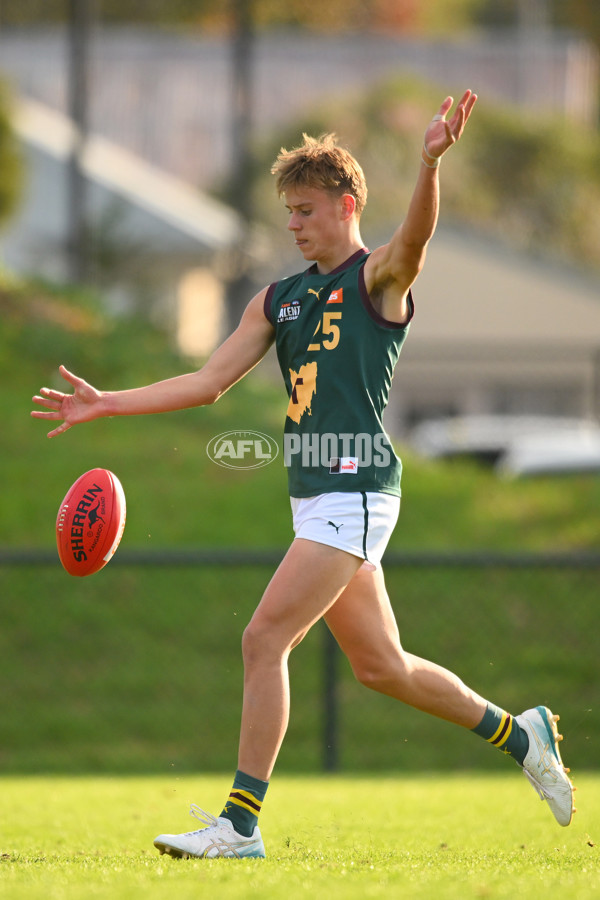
[(320, 163)]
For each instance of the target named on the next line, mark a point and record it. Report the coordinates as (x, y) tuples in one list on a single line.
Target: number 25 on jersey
[(327, 332)]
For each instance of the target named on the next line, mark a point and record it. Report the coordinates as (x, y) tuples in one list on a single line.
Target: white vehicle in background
[(515, 445)]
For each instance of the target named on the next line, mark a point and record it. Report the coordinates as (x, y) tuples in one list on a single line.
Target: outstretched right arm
[(233, 359)]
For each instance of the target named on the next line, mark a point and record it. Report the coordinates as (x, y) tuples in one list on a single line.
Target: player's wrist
[(107, 405), (432, 162)]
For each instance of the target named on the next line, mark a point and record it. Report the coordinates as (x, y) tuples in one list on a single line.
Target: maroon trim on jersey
[(268, 301), (345, 265), (385, 323)]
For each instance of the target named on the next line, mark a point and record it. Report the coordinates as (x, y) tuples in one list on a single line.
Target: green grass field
[(417, 837)]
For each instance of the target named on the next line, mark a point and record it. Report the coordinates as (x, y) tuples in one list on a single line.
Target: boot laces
[(208, 820)]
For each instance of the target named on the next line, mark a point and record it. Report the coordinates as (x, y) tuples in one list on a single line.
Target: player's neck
[(338, 255)]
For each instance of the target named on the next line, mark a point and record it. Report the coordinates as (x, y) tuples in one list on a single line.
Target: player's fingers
[(51, 394), (53, 414), (463, 111), (69, 376), (47, 404), (446, 105), (458, 122), (470, 104), (60, 430)]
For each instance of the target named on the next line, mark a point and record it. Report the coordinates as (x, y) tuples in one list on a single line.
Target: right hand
[(83, 405), (442, 133)]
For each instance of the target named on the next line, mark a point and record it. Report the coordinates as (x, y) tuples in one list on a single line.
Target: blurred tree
[(581, 15), (36, 12), (338, 15), (439, 16), (11, 172)]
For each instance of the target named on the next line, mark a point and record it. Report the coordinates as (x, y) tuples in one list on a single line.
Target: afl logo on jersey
[(289, 312)]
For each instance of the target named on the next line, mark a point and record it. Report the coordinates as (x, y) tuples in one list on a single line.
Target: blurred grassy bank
[(177, 496)]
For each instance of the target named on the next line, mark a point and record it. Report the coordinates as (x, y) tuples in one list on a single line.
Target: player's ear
[(348, 206)]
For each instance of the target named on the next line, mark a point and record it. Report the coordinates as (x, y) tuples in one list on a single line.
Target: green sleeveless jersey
[(337, 357)]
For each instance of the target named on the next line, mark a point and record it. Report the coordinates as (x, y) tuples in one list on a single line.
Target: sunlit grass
[(423, 837)]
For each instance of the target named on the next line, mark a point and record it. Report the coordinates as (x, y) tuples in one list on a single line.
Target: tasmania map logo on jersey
[(336, 296), (289, 312)]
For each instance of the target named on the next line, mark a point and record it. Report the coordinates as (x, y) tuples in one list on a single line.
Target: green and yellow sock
[(244, 803), (501, 730)]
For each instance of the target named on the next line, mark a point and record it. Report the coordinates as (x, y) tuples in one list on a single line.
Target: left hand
[(441, 133), (83, 405)]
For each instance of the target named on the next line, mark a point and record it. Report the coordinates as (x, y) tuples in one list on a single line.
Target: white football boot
[(217, 839), (543, 766)]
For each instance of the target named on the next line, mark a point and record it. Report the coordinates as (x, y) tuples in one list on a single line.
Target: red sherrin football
[(90, 522)]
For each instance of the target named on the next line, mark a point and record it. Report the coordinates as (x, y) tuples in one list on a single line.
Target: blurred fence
[(139, 669)]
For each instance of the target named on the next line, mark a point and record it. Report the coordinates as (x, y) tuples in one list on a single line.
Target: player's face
[(315, 220)]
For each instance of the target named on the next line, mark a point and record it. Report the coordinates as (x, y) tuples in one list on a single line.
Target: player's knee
[(372, 677), (380, 674), (254, 642), (263, 643)]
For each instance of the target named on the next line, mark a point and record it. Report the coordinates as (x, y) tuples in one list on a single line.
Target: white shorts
[(358, 522)]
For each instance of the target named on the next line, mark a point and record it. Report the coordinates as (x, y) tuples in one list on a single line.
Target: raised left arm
[(392, 268)]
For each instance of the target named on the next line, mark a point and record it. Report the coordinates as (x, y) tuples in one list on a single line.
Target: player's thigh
[(308, 581), (362, 620)]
